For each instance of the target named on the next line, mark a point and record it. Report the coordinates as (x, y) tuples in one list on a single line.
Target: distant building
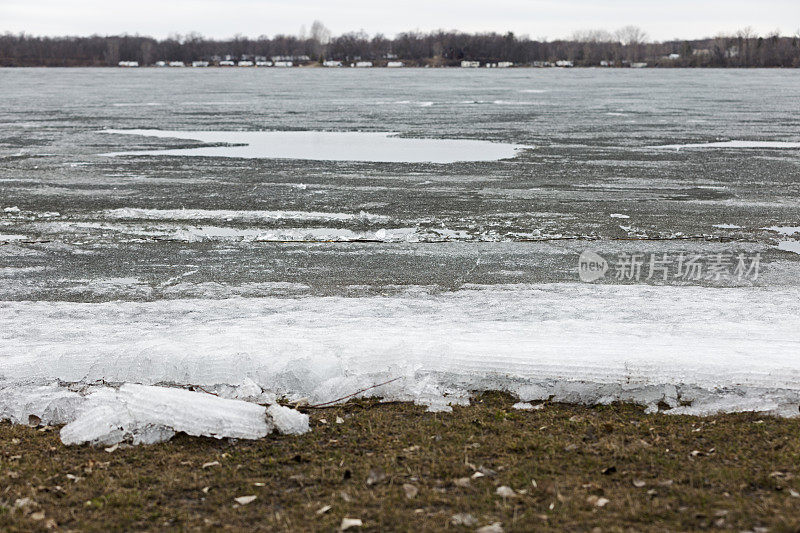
[(245, 63), (674, 56), (638, 65), (395, 64), (505, 64), (701, 52), (541, 64), (263, 63), (490, 65), (470, 64), (284, 64), (605, 63), (331, 63), (199, 63), (161, 63), (364, 64), (300, 59), (564, 63), (227, 63), (128, 64), (176, 64)]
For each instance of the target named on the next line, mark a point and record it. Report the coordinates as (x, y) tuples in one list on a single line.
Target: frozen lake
[(267, 220)]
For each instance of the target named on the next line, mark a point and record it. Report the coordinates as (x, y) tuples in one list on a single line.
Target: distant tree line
[(626, 46)]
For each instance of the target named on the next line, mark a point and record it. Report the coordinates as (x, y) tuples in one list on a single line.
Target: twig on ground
[(317, 406)]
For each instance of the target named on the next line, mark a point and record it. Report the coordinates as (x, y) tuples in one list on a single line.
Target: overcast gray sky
[(537, 18)]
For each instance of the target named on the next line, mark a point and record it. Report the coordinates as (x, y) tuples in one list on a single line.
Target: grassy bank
[(396, 467)]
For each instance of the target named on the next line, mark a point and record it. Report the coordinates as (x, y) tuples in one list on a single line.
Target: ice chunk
[(146, 414), (49, 404), (525, 406), (288, 421)]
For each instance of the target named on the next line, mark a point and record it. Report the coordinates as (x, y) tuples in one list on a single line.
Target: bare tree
[(631, 35), (439, 48), (320, 33)]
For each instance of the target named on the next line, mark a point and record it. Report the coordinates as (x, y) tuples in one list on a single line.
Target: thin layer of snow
[(726, 226), (618, 215), (182, 232), (784, 230), (12, 237), (789, 246), (6, 272), (734, 144), (132, 213), (415, 103), (382, 147), (569, 342)]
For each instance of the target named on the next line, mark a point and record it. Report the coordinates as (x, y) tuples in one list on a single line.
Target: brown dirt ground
[(657, 473)]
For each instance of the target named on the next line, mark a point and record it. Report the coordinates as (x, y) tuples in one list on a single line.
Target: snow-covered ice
[(784, 230), (734, 144), (131, 213), (789, 246), (196, 233), (727, 226), (381, 147), (12, 237), (568, 342)]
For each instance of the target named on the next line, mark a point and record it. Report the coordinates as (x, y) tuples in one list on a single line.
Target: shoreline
[(396, 467)]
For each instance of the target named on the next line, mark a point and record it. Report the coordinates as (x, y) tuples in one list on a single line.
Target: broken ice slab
[(145, 414), (288, 421), (48, 404)]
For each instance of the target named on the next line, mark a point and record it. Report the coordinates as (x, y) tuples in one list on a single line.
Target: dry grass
[(733, 472)]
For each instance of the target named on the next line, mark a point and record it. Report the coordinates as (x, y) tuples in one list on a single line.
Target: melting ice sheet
[(699, 350), (377, 147)]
